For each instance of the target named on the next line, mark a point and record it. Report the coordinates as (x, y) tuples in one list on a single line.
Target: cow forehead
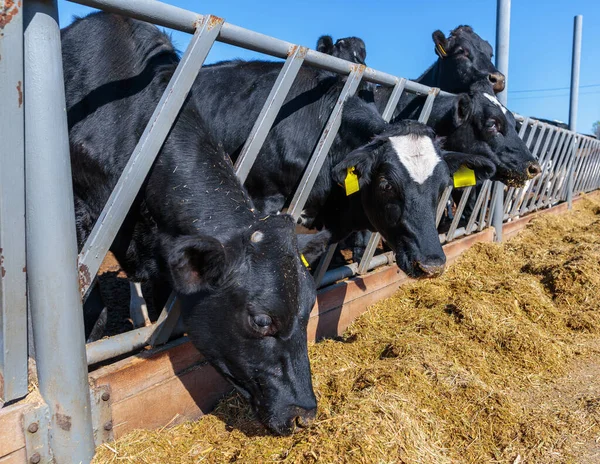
[(495, 101), (417, 154)]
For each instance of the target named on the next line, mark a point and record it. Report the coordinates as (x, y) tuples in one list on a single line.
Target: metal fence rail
[(567, 159)]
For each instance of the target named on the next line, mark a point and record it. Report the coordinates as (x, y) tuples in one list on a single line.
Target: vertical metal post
[(502, 44), (13, 302), (574, 102), (55, 300)]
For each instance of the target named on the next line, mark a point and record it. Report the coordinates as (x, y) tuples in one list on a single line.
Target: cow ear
[(462, 109), (483, 167), (312, 246), (325, 44), (195, 263), (363, 160), (441, 44)]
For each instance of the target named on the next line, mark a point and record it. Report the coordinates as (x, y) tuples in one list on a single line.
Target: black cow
[(349, 48), (464, 58), (474, 123), (245, 294), (230, 112)]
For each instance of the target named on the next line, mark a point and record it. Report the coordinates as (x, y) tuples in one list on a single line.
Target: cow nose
[(431, 270), (497, 80), (533, 170), (304, 417)]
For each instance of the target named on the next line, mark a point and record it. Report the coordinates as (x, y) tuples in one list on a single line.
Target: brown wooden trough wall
[(168, 385)]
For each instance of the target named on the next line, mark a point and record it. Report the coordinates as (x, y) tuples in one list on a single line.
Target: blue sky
[(398, 38)]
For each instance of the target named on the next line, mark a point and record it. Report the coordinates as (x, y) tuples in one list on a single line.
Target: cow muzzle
[(296, 417), (498, 81), (429, 271), (533, 170)]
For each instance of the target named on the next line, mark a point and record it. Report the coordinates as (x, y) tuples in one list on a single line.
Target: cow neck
[(431, 76), (204, 190)]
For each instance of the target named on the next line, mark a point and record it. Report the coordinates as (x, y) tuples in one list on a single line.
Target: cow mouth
[(511, 178)]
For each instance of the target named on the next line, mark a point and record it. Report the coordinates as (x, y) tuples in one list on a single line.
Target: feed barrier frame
[(35, 137)]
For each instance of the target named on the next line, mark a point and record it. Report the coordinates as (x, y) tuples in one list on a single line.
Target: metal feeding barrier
[(35, 142)]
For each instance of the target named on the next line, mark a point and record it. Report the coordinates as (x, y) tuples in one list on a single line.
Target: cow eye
[(384, 184), (462, 51), (491, 125), (262, 321)]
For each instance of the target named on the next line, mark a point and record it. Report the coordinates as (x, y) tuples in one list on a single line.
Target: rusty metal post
[(55, 300), (574, 102), (502, 43), (13, 302)]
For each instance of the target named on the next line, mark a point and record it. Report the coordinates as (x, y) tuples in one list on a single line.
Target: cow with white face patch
[(402, 174), (475, 123), (390, 181)]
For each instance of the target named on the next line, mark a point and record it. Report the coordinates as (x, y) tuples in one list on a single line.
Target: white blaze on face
[(417, 155), (495, 101)]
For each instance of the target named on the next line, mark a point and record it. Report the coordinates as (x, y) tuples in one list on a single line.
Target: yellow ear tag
[(304, 260), (441, 50), (464, 177), (351, 181)]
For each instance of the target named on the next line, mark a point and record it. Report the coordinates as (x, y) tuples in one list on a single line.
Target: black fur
[(468, 60), (192, 222)]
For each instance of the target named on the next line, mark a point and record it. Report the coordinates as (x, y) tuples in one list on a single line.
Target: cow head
[(465, 58), (402, 174), (246, 304), (481, 125), (350, 48)]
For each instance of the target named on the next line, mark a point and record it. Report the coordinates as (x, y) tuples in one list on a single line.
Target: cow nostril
[(533, 170), (497, 80)]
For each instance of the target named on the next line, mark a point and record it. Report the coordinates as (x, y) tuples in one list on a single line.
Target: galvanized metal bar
[(324, 264), (442, 205), (574, 100), (117, 345), (374, 237), (269, 112), (350, 270), (535, 154), (579, 168), (54, 297), (138, 310), (318, 157), (486, 209), (556, 162), (553, 156), (595, 169), (521, 193), (167, 321), (502, 49), (478, 206), (392, 102), (428, 106), (554, 136), (564, 158), (591, 169), (183, 20), (145, 152), (562, 177), (13, 301), (590, 150), (459, 210), (561, 190), (583, 172)]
